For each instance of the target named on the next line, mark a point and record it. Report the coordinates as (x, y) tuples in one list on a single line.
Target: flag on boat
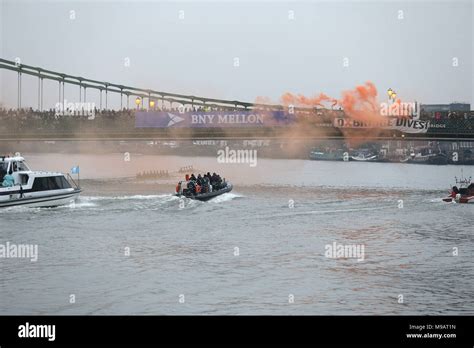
[(75, 170)]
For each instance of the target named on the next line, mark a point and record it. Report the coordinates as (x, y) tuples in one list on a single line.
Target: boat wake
[(132, 202), (329, 211), (80, 204), (229, 196), (144, 202), (133, 197), (438, 200)]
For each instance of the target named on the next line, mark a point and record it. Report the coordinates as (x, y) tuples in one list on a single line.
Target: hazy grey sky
[(195, 54)]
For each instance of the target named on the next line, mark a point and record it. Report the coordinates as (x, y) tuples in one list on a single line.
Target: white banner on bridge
[(401, 124)]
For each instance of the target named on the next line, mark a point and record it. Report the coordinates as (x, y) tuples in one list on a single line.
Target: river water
[(130, 247)]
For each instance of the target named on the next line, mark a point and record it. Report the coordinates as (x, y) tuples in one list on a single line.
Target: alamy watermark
[(228, 155), (23, 251), (28, 330), (406, 109), (75, 109), (345, 251)]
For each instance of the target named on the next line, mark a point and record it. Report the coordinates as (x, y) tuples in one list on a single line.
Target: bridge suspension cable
[(86, 83)]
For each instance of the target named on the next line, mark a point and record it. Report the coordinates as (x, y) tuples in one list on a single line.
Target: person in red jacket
[(454, 192)]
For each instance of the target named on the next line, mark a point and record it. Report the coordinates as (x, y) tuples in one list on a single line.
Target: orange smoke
[(361, 104), (301, 100), (263, 100)]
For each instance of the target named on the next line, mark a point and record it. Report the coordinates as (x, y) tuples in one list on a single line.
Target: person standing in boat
[(454, 192), (192, 187), (214, 182), (207, 183), (8, 181), (219, 181), (3, 170)]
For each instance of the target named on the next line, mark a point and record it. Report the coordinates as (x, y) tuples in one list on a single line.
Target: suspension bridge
[(105, 88), (105, 126)]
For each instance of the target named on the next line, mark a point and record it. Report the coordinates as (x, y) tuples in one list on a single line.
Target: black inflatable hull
[(209, 195)]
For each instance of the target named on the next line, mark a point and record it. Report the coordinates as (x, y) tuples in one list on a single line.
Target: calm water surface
[(280, 216)]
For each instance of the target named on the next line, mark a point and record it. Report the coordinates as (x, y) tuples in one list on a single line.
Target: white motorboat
[(365, 157), (20, 186)]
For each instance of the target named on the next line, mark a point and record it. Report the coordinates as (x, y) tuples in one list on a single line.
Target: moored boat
[(23, 187), (331, 155), (426, 155), (365, 157)]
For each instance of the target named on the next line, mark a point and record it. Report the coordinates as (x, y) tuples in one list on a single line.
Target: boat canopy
[(12, 164), (4, 158)]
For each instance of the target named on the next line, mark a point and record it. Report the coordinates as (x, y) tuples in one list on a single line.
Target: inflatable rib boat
[(226, 187)]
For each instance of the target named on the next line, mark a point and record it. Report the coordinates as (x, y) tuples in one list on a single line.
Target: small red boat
[(463, 194)]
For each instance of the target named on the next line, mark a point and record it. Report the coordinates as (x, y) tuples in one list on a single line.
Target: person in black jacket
[(192, 187)]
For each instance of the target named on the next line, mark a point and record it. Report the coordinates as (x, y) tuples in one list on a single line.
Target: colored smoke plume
[(361, 104), (263, 100), (301, 100)]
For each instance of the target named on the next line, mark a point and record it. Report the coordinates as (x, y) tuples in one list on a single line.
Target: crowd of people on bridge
[(33, 120), (446, 115), (14, 121)]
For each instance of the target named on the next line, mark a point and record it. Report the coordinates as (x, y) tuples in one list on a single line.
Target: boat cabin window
[(50, 183), (3, 169), (22, 166), (19, 167), (24, 179)]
